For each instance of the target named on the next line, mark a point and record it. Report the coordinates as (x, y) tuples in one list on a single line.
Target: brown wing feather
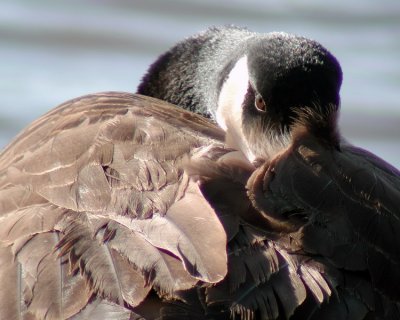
[(103, 309), (9, 276), (80, 183), (343, 206), (266, 278), (164, 271)]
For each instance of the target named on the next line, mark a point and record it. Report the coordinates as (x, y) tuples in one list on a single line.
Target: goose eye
[(260, 103)]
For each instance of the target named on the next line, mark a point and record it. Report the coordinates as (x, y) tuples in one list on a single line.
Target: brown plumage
[(119, 206), (94, 206)]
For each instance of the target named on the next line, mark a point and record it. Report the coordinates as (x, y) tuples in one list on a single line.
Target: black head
[(282, 75), (288, 73)]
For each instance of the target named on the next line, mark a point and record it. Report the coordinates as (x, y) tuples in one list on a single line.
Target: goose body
[(121, 206), (277, 98)]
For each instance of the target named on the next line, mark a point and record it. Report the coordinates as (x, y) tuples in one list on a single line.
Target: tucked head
[(254, 85), (277, 76)]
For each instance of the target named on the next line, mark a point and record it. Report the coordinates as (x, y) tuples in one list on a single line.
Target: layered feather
[(94, 203), (117, 206)]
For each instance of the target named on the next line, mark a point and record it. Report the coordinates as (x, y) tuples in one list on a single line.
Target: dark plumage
[(286, 73), (120, 206), (342, 200), (192, 73)]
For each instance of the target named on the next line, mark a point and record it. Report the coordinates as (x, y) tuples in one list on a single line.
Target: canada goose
[(277, 96), (117, 206)]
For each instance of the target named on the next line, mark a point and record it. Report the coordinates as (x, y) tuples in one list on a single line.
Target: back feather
[(118, 206)]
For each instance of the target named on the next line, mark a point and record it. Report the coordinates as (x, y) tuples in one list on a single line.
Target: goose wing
[(267, 277), (340, 207), (96, 213)]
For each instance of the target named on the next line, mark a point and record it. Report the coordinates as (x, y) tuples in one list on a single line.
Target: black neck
[(191, 73)]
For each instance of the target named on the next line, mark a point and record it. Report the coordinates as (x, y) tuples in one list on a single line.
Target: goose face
[(263, 96)]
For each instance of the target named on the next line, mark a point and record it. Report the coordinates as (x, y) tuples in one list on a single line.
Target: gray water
[(51, 51)]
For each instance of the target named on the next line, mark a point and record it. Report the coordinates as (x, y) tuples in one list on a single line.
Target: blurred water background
[(51, 51)]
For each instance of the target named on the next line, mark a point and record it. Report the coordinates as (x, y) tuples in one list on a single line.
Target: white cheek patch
[(232, 95), (229, 111)]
